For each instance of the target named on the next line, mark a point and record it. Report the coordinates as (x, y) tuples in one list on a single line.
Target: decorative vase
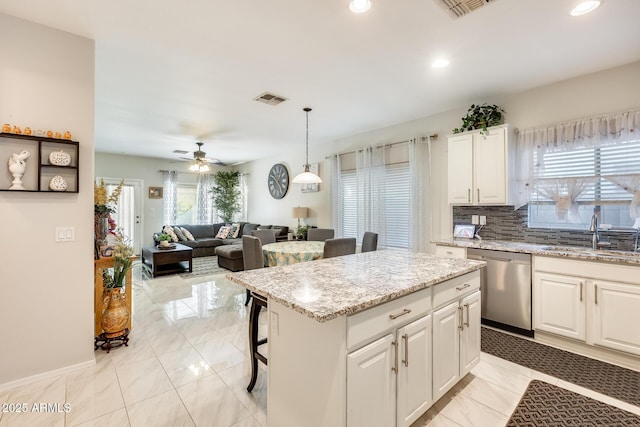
[(101, 228), (116, 316)]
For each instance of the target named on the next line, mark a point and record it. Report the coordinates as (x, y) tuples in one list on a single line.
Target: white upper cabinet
[(480, 166)]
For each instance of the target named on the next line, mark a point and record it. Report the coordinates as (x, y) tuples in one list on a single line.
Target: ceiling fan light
[(359, 6)]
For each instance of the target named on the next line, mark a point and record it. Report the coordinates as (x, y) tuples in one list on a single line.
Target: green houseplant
[(226, 194), (301, 231), (481, 117)]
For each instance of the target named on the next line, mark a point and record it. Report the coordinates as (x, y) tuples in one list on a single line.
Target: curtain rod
[(424, 138)]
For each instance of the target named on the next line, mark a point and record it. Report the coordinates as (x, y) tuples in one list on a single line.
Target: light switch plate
[(65, 234), (475, 220), (483, 220)]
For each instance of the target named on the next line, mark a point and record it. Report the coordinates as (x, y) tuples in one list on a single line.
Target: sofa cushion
[(229, 251), (169, 230), (180, 234), (187, 233), (223, 232), (206, 242), (247, 228), (236, 227), (264, 227), (231, 241)]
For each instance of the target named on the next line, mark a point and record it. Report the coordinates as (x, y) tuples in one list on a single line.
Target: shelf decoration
[(60, 158), (58, 183), (17, 166)]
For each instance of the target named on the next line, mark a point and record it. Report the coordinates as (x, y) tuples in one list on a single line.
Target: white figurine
[(17, 166)]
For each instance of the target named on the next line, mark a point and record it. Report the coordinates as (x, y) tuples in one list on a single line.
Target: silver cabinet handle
[(449, 253), (467, 322), (478, 195), (394, 368), (405, 338), (461, 322), (463, 287), (596, 291), (581, 284), (469, 195), (395, 316)]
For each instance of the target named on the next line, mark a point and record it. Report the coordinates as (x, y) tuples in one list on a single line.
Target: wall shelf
[(39, 171)]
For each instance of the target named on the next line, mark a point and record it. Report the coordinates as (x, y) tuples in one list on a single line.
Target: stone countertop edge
[(550, 250), (362, 304)]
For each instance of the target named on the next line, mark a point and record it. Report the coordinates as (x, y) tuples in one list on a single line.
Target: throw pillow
[(180, 234), (223, 232), (235, 231), (169, 230), (277, 231), (187, 234), (264, 227)]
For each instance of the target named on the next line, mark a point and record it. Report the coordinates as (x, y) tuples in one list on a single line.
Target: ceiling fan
[(200, 161)]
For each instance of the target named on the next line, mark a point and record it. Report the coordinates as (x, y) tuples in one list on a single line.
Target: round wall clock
[(278, 181)]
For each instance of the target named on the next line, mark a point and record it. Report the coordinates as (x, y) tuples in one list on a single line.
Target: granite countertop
[(332, 287), (575, 252)]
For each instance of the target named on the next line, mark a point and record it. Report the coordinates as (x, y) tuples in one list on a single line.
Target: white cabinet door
[(446, 349), (559, 303), (616, 316), (414, 373), (371, 384), (470, 333), (490, 167), (460, 169)]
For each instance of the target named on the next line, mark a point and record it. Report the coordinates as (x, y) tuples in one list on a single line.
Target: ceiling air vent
[(180, 152), (270, 98), (459, 8)]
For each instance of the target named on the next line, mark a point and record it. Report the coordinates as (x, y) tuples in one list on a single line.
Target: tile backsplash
[(505, 223)]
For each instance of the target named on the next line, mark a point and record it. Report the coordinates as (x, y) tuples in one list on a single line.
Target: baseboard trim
[(614, 357), (46, 375)]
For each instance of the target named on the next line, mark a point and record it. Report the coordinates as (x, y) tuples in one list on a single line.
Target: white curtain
[(420, 220), (204, 201), (631, 184), (594, 131), (334, 166), (565, 193), (370, 176), (170, 198)]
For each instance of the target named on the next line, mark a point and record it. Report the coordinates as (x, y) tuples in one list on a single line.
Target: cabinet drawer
[(455, 288), (451, 252), (367, 325)]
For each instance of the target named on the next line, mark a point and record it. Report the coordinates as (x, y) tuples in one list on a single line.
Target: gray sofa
[(205, 241)]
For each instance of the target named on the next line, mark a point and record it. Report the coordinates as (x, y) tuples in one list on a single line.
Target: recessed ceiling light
[(359, 6), (585, 7), (440, 63)]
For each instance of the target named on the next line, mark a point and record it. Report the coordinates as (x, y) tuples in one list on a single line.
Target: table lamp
[(299, 213)]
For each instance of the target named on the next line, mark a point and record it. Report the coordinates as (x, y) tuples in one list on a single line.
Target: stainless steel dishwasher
[(505, 284)]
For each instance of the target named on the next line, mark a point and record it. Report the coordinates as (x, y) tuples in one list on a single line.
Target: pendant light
[(307, 177)]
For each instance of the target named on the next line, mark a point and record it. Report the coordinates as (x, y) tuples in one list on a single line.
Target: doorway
[(128, 215)]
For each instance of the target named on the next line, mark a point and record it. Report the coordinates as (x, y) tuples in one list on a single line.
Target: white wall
[(604, 92), (46, 302)]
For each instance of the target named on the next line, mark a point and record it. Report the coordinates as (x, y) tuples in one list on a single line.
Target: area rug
[(619, 383), (544, 404), (205, 266)]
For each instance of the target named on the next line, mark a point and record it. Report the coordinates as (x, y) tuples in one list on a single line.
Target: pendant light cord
[(306, 165)]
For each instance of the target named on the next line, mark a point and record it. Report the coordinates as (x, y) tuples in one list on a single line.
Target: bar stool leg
[(246, 301), (253, 342)]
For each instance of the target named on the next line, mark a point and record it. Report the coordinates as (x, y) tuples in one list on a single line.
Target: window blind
[(395, 205)]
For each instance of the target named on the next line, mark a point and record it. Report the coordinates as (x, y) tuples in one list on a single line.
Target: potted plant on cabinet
[(480, 117), (301, 232)]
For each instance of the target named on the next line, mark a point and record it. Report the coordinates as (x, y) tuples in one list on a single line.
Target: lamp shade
[(307, 177), (299, 212)]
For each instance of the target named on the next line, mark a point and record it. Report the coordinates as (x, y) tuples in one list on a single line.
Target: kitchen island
[(366, 339)]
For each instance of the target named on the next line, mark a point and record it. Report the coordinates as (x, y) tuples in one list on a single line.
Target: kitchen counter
[(327, 314), (573, 252), (328, 288)]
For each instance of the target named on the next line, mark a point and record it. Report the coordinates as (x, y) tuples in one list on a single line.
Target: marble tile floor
[(187, 364)]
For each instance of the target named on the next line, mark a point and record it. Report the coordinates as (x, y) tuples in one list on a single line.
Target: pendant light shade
[(307, 177), (359, 6)]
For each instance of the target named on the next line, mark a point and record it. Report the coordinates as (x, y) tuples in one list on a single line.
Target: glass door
[(128, 215)]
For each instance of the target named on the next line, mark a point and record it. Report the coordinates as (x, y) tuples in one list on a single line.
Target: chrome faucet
[(595, 239)]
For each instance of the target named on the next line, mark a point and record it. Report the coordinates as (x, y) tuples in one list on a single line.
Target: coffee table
[(167, 261)]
